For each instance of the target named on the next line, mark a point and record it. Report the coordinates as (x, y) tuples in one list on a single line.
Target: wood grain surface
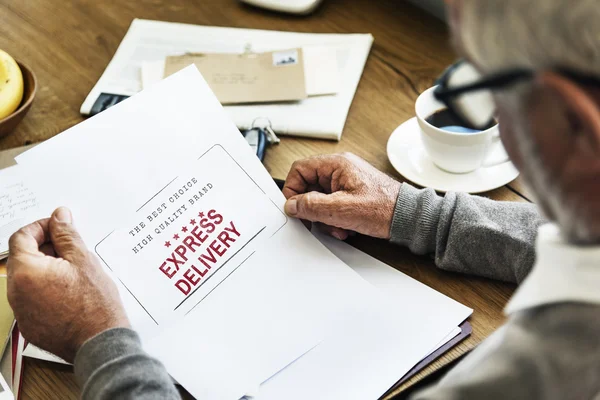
[(69, 45)]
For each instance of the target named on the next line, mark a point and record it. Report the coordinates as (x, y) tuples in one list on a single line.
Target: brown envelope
[(248, 78)]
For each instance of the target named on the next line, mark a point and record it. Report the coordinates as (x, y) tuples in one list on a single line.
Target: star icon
[(193, 222), (175, 237), (184, 229), (167, 244), (201, 214)]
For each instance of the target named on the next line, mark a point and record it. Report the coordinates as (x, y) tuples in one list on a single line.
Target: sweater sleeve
[(468, 234), (550, 352), (113, 365)]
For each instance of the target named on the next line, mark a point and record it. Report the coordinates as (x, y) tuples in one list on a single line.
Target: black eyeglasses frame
[(501, 80)]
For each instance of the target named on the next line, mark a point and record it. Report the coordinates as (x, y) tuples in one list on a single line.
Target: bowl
[(8, 124)]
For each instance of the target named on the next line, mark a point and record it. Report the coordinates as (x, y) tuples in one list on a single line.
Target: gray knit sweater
[(552, 352)]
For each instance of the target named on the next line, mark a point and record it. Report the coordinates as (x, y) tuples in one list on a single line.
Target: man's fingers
[(314, 173), (48, 250), (29, 238), (65, 238), (317, 207), (24, 247), (298, 181), (338, 233)]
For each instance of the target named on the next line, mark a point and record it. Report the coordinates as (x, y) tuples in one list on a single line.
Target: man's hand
[(344, 192), (59, 293)]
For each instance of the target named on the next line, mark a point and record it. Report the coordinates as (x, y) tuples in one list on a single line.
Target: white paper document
[(18, 204), (378, 376), (231, 295), (196, 230), (365, 360), (318, 117), (321, 70), (32, 351), (287, 296)]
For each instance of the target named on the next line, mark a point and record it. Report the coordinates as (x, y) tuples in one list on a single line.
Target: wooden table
[(69, 45)]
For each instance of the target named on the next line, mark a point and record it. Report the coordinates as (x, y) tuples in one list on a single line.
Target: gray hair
[(543, 34), (527, 33)]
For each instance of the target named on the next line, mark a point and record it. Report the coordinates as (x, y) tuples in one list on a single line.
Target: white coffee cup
[(456, 152)]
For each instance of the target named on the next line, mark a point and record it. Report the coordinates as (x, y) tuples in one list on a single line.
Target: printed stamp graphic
[(287, 57)]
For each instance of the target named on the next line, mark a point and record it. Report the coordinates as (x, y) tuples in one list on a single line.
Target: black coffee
[(445, 119)]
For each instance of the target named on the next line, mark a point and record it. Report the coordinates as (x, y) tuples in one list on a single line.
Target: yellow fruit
[(11, 85)]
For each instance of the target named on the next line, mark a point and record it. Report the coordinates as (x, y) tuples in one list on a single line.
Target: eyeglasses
[(469, 96)]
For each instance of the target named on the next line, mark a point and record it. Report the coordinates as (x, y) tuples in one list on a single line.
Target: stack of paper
[(216, 279), (17, 205), (148, 43)]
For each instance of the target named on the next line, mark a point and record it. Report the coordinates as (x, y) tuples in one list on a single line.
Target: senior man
[(542, 62)]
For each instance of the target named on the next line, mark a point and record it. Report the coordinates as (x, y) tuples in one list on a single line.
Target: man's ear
[(564, 120), (582, 108)]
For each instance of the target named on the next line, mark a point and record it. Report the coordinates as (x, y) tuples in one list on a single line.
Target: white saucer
[(407, 155)]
